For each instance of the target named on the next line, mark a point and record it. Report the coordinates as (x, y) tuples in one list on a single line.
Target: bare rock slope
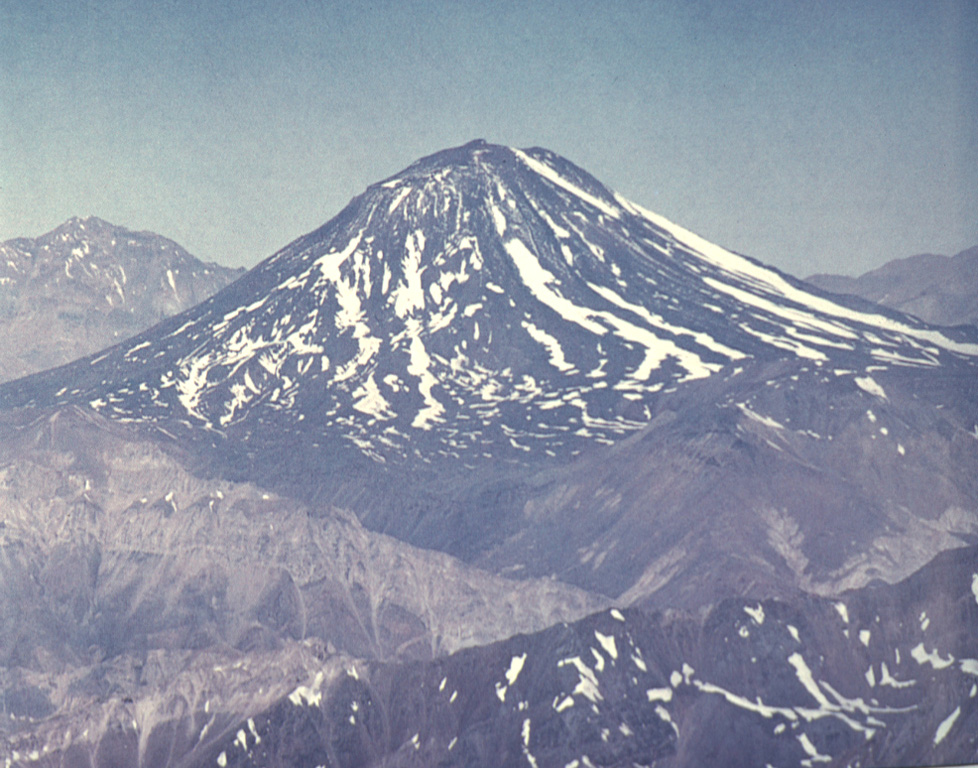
[(88, 285), (939, 289)]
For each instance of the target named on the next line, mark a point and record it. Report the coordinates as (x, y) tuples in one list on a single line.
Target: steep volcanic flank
[(486, 302)]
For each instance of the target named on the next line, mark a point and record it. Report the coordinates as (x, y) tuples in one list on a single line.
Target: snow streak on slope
[(485, 301), (768, 683)]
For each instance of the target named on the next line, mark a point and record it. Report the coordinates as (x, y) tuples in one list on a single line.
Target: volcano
[(486, 302), (493, 355), (477, 348)]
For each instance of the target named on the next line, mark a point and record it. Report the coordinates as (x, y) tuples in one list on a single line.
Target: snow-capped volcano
[(486, 301)]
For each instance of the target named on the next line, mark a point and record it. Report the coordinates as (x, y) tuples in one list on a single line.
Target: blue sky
[(815, 136)]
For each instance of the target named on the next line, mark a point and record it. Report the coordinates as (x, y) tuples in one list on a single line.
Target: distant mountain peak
[(86, 221), (91, 284), (938, 289), (80, 227)]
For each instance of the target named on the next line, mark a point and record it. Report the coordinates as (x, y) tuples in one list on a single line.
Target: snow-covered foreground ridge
[(489, 296)]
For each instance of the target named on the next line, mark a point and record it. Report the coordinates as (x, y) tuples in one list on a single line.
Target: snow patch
[(418, 366), (805, 677), (539, 281), (944, 728), (921, 656), (368, 400), (552, 176), (587, 684), (398, 198), (499, 220), (664, 716), (869, 384), (757, 614), (659, 694), (311, 696), (656, 321), (608, 643), (551, 344), (811, 751), (566, 703), (886, 678), (408, 296), (842, 611), (515, 667), (767, 421)]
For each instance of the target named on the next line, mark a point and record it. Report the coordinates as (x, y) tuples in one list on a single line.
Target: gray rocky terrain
[(938, 289), (126, 581), (86, 286)]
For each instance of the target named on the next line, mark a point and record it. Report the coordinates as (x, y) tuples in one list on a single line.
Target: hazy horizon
[(822, 138)]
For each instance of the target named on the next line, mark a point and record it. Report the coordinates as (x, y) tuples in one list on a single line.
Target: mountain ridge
[(939, 289), (91, 284)]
